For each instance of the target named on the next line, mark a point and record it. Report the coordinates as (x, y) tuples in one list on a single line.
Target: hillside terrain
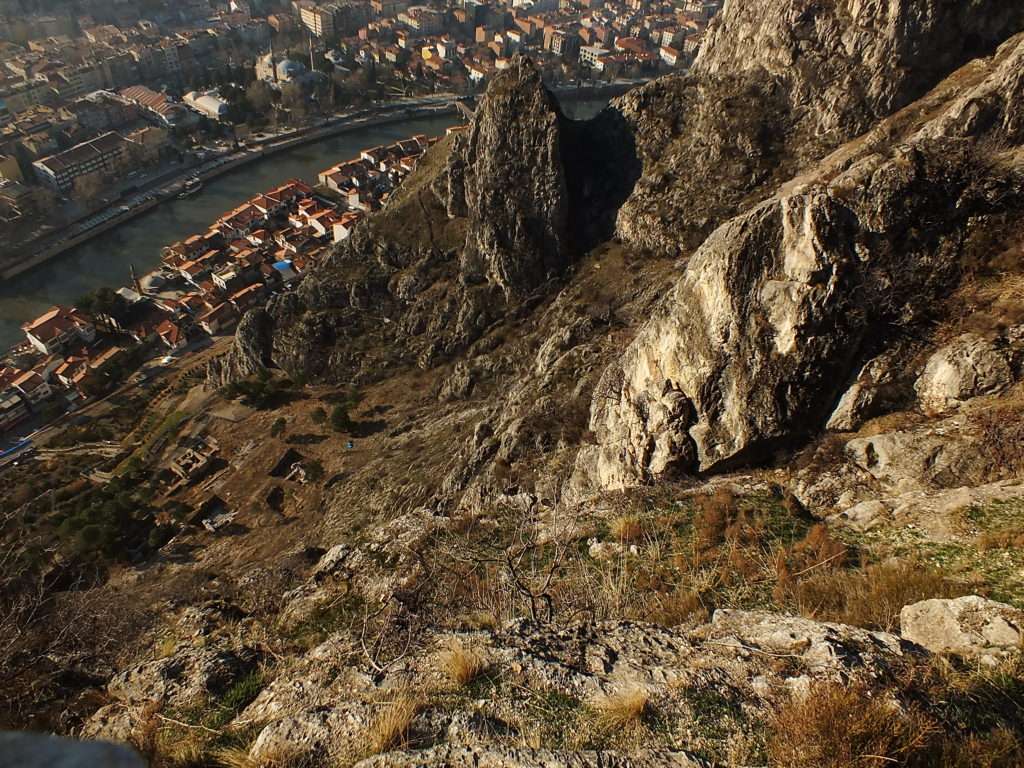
[(689, 435)]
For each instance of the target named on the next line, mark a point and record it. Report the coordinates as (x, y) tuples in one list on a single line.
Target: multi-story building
[(102, 111), (9, 168), (107, 155), (21, 96), (427, 21), (13, 408), (60, 326), (594, 56), (78, 81), (319, 20), (564, 42)]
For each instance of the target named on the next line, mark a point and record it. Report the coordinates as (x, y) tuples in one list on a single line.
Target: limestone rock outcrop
[(969, 626), (506, 176), (966, 367), (777, 85), (250, 352), (752, 346)]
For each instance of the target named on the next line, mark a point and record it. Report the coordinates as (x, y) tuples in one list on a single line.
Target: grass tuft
[(626, 529), (621, 711), (390, 729), (462, 665)]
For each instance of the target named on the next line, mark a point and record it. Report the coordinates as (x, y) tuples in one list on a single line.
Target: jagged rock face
[(507, 177), (752, 345), (850, 62), (250, 352), (779, 84)]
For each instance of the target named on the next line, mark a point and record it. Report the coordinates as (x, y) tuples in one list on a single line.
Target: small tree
[(319, 416), (340, 420), (277, 428)]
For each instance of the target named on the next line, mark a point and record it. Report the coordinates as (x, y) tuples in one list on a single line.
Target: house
[(670, 55), (13, 408), (247, 297), (59, 326), (71, 366), (33, 387), (342, 228), (172, 335), (220, 318)]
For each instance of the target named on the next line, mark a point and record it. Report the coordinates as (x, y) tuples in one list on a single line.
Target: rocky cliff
[(780, 84), (779, 306)]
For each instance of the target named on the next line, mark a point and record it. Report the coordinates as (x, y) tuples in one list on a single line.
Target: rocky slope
[(687, 433), (780, 306)]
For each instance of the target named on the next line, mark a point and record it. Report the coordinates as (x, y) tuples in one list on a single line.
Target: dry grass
[(1001, 435), (837, 726), (390, 729), (462, 665), (626, 529), (1000, 540), (621, 711), (1000, 748), (716, 514), (236, 757), (871, 597)]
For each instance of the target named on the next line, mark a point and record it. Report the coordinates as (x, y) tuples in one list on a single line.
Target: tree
[(88, 189), (107, 305), (260, 97), (340, 420)]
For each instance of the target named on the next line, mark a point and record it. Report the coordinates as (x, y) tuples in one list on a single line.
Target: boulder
[(877, 385), (40, 750), (969, 626), (967, 367), (312, 733)]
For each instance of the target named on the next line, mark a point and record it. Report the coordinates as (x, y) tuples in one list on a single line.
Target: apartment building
[(106, 154), (318, 20)]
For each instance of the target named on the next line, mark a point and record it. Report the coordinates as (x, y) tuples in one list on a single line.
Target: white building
[(209, 104)]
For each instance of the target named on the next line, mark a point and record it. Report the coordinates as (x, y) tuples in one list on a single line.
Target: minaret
[(135, 280), (311, 67)]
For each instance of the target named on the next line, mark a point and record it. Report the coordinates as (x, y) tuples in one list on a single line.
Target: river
[(105, 260)]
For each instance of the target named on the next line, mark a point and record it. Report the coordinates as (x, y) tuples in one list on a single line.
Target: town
[(71, 355), (99, 108)]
